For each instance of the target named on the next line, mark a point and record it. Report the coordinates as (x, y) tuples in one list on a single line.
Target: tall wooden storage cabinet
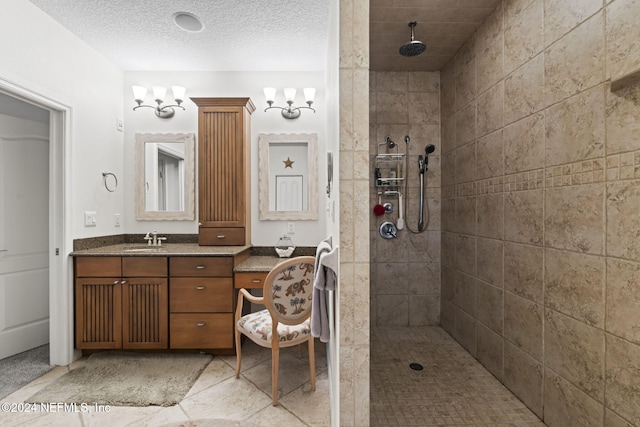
[(224, 174)]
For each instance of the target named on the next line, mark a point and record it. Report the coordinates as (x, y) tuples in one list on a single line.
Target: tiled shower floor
[(453, 389)]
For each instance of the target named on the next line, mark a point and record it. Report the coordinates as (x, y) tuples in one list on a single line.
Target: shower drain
[(416, 366)]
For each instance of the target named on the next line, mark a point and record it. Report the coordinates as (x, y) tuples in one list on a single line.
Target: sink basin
[(143, 249)]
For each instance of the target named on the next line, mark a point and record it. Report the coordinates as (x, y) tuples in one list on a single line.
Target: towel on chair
[(325, 278)]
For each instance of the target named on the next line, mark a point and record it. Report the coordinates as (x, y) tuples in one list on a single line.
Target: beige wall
[(540, 206), (354, 220), (405, 271)]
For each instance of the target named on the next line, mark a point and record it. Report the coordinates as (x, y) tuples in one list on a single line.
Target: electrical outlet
[(291, 227), (120, 125), (90, 219), (116, 220)]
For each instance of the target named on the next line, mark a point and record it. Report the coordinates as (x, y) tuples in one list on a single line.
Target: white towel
[(325, 279)]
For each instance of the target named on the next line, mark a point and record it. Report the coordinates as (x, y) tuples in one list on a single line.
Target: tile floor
[(453, 389), (217, 399)]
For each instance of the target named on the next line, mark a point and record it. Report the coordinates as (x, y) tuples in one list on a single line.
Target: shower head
[(414, 47), (430, 148), (389, 142)]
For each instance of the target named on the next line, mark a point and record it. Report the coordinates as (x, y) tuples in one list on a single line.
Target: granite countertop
[(258, 264), (167, 249)]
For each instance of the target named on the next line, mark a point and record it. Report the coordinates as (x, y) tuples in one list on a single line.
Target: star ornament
[(288, 163)]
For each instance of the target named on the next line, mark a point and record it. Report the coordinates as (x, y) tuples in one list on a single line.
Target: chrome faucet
[(153, 239)]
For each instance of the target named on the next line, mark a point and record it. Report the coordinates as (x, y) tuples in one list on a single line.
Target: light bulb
[(139, 92), (289, 94)]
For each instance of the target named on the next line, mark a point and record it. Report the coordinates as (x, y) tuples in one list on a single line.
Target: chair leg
[(312, 363), (275, 361), (238, 353)]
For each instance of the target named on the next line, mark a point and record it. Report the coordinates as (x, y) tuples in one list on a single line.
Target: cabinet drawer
[(250, 280), (201, 266), (201, 330), (194, 295), (229, 236), (144, 266), (98, 267)]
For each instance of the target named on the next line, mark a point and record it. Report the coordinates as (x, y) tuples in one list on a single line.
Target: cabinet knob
[(200, 267), (201, 288), (116, 282), (201, 324), (122, 282), (256, 280), (221, 236)]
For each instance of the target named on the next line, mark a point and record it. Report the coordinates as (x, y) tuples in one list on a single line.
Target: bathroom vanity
[(176, 297)]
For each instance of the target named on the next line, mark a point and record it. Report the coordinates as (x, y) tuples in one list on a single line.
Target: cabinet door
[(98, 313), (145, 313)]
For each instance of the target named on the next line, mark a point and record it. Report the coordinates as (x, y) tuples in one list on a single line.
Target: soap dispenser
[(285, 247)]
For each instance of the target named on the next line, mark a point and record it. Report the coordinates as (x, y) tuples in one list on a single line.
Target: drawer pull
[(200, 267), (201, 288), (116, 282), (201, 324), (256, 281), (221, 236), (122, 282)]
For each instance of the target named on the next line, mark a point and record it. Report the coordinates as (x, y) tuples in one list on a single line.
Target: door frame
[(61, 350)]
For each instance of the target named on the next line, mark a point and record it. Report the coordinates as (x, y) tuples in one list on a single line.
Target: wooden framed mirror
[(288, 182), (165, 176)]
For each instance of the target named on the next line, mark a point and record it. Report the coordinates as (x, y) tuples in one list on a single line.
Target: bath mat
[(127, 379)]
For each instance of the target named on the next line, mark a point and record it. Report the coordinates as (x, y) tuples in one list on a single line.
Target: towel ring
[(112, 188)]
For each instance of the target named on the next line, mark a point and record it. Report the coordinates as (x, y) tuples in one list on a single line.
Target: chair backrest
[(288, 289)]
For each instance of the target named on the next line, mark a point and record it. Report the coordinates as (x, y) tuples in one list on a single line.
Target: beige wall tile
[(574, 285), (394, 108), (623, 38), (465, 71), (523, 375), (524, 147), (490, 215), (391, 82), (623, 385), (611, 419), (489, 50), (386, 280), (623, 221), (466, 163), (523, 270), (447, 316), (393, 310), (489, 306), (575, 63), (424, 81), (490, 110), (566, 405), (489, 156), (464, 293), (575, 351), (448, 254), (574, 218), (490, 261), (424, 108), (490, 353), (466, 215), (424, 278), (623, 126), (561, 16), (466, 253), (519, 45), (466, 124), (465, 331), (424, 310), (623, 299), (575, 128), (523, 220), (448, 212), (524, 90), (523, 324)]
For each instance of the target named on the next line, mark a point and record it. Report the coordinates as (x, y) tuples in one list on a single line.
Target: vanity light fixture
[(290, 112), (159, 92)]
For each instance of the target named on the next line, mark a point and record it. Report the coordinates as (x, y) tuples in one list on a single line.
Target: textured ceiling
[(238, 35), (443, 25), (265, 35)]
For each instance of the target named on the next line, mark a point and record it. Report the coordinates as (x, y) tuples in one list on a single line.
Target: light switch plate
[(90, 219)]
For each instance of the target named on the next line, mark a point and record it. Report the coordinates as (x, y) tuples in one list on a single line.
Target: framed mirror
[(288, 181), (165, 177)]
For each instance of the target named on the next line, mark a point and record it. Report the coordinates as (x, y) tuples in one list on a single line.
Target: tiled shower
[(538, 273)]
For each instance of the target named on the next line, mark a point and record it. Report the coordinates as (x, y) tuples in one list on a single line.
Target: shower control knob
[(388, 230)]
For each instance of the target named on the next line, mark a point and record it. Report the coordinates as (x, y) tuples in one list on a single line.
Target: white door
[(24, 242)]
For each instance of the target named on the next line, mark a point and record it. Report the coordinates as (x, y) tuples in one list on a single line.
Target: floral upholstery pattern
[(258, 327)]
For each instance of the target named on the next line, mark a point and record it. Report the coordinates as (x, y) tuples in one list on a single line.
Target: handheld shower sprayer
[(423, 162)]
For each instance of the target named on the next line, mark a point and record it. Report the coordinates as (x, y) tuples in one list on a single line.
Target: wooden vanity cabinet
[(224, 178), (201, 302), (121, 302)]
